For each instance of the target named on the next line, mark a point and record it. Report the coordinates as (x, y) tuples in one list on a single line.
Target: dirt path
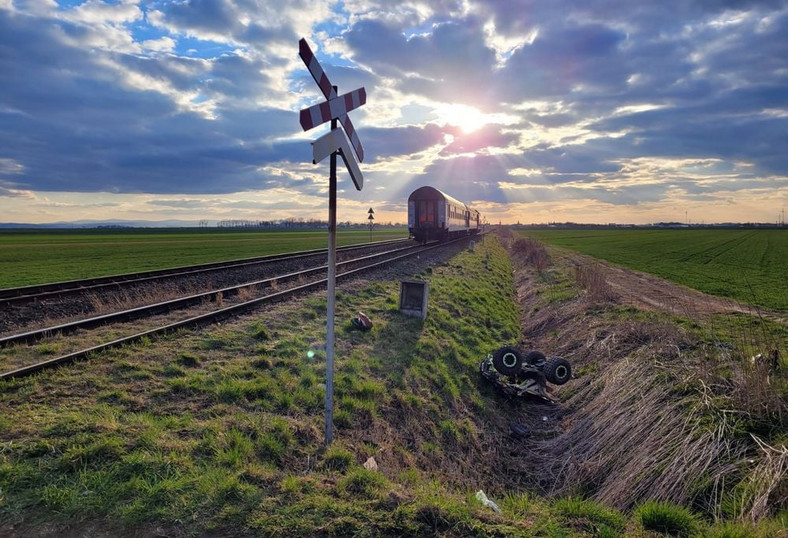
[(649, 292)]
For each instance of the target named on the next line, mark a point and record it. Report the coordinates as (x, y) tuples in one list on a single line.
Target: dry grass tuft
[(592, 279), (246, 293), (532, 252), (768, 485), (759, 391)]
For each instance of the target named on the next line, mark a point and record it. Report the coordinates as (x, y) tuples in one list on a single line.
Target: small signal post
[(334, 143)]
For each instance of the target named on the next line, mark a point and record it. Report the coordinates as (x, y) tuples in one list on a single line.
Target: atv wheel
[(518, 430), (507, 360), (535, 358), (558, 371)]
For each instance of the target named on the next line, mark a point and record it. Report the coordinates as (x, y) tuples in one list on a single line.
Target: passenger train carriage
[(434, 215)]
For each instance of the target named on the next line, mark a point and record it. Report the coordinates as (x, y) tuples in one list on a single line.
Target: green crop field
[(744, 264), (36, 257)]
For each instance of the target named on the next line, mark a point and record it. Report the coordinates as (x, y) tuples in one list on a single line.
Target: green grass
[(591, 516), (665, 518), (743, 264), (220, 432), (36, 257)]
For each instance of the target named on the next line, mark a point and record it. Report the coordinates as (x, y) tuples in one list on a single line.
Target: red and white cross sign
[(328, 91), (333, 108), (334, 140)]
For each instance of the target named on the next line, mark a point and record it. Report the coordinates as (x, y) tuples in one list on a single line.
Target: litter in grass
[(482, 498), (361, 322)]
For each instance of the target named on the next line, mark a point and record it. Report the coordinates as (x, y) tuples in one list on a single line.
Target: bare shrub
[(592, 279), (533, 252)]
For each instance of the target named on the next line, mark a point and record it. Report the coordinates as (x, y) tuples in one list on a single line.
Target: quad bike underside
[(517, 374)]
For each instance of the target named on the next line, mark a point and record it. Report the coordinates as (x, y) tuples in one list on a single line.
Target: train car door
[(426, 213)]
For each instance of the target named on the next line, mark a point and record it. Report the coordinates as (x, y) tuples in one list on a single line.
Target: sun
[(467, 118)]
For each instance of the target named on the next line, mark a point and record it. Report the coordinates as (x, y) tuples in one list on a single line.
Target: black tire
[(518, 430), (507, 360), (535, 358), (558, 371)]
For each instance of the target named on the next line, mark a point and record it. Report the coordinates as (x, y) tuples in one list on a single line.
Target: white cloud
[(598, 103), (162, 44)]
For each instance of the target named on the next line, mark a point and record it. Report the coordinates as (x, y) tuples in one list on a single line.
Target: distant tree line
[(573, 225), (296, 223)]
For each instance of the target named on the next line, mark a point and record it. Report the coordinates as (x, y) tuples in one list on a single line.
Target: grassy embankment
[(36, 257), (221, 431)]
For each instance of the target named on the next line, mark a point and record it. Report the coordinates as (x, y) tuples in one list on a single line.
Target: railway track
[(39, 306), (40, 292), (200, 309)]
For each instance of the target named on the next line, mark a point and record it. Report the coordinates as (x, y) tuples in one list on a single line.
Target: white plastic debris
[(482, 498), (544, 419)]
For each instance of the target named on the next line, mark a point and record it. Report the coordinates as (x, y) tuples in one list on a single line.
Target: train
[(434, 215)]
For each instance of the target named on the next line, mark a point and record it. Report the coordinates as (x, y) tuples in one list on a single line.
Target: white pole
[(332, 276)]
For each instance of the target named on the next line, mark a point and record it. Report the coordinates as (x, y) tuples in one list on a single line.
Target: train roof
[(422, 191)]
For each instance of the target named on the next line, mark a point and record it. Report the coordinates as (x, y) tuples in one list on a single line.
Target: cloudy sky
[(530, 110)]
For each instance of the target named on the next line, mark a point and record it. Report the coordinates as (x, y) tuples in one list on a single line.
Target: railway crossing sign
[(333, 108), (330, 93), (333, 143)]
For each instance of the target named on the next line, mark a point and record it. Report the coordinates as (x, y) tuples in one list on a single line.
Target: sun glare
[(467, 118)]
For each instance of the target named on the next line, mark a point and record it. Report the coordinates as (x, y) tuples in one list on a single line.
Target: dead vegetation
[(591, 278), (661, 409), (632, 438), (532, 252)]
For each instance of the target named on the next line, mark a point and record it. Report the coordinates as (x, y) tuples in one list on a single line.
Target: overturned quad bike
[(517, 374)]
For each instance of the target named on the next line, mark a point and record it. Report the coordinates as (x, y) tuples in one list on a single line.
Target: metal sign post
[(371, 224), (332, 144), (331, 285)]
